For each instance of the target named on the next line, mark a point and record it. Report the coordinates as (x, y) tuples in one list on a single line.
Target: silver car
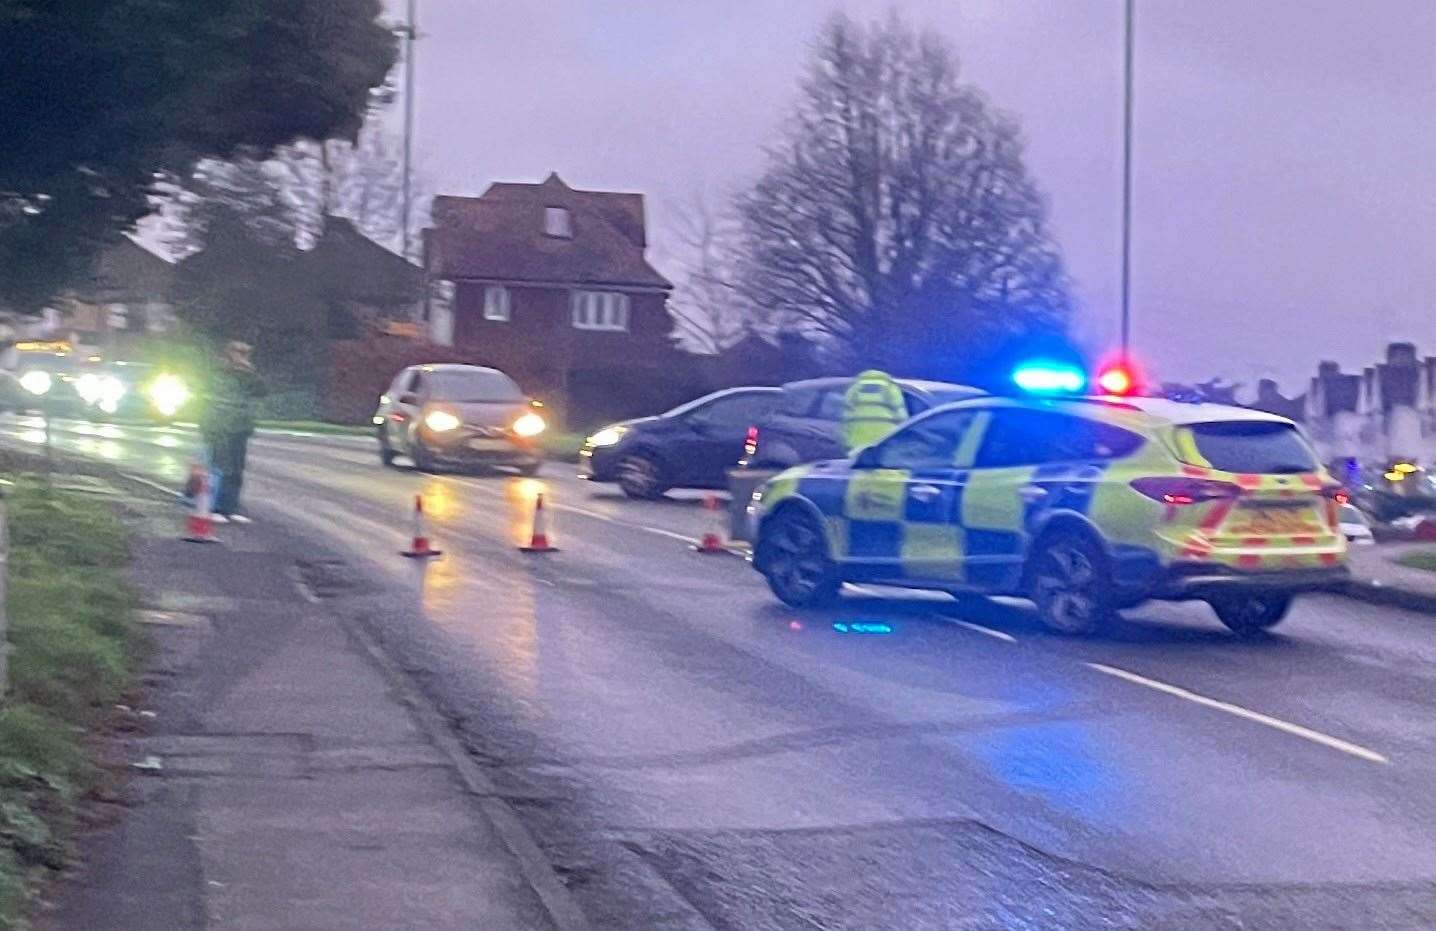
[(459, 416)]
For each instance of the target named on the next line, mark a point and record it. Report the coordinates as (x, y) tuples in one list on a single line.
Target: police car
[(1084, 505)]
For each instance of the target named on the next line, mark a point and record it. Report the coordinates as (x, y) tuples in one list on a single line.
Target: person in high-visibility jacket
[(872, 408)]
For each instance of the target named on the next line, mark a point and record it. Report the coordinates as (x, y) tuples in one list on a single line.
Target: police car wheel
[(796, 562), (1250, 613), (1070, 585), (641, 477)]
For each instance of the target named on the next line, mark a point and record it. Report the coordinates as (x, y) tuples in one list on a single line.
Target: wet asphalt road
[(692, 755)]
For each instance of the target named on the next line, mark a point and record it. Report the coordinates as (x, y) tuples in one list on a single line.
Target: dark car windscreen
[(1252, 446), (472, 386)]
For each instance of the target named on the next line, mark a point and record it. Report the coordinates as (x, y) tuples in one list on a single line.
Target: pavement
[(687, 754), (289, 780), (1377, 577)]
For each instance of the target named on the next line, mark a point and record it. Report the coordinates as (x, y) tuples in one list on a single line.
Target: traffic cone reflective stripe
[(199, 522), (712, 539), (419, 546), (538, 538)]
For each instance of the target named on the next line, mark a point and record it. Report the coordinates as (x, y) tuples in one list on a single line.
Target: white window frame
[(558, 222), (600, 310), (498, 303)]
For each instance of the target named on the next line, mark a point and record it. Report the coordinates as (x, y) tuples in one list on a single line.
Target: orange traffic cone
[(712, 539), (538, 538), (419, 547), (199, 522)]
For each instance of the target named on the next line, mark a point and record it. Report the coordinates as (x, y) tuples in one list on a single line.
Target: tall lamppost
[(1127, 189), (410, 33)]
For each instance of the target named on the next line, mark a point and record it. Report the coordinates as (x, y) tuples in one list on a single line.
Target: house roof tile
[(500, 235)]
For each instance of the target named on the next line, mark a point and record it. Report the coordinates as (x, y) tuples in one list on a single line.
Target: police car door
[(903, 500), (1029, 462)]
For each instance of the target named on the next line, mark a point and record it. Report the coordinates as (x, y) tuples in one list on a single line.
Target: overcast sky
[(1284, 149)]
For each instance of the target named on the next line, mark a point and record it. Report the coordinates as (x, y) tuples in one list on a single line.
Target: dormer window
[(556, 222)]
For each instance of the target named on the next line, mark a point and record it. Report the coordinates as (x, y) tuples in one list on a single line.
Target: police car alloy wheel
[(1070, 585), (1251, 613), (796, 562)]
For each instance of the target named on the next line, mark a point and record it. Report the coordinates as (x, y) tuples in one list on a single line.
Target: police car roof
[(1151, 411)]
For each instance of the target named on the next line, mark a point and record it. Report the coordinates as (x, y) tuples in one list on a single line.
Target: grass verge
[(1419, 559), (75, 648)]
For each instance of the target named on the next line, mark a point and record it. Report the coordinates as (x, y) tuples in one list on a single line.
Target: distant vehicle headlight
[(168, 394), (607, 436), (87, 386), (441, 421), (36, 381), (111, 391), (529, 425)]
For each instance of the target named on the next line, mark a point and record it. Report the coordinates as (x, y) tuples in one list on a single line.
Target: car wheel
[(795, 561), (1071, 585), (641, 477), (529, 470), (1249, 613), (423, 459)]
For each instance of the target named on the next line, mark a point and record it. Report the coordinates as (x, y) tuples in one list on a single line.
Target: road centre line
[(1306, 733)]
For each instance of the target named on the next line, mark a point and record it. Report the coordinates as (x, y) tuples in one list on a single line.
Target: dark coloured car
[(807, 426), (459, 415), (692, 446)]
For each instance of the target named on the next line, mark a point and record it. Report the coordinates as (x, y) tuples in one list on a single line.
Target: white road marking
[(155, 485), (994, 634), (1306, 733)]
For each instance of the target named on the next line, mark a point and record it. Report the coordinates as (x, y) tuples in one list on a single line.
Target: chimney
[(1401, 354)]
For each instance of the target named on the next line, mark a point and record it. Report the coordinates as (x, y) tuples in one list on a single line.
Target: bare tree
[(710, 312), (896, 219), (290, 195)]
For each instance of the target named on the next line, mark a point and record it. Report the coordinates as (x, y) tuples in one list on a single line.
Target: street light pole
[(410, 34), (1127, 189)]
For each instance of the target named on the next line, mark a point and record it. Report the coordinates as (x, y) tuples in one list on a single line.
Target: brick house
[(551, 285)]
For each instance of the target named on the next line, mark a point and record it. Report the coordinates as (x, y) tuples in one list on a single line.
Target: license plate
[(483, 444), (1272, 521)]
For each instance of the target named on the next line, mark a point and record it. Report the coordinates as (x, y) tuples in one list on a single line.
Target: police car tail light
[(1183, 491)]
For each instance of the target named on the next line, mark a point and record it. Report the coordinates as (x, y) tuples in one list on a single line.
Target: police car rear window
[(1252, 446), (1017, 438)]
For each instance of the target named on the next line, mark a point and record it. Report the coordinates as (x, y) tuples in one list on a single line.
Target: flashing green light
[(1049, 378)]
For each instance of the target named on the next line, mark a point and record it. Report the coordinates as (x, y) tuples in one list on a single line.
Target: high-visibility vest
[(872, 408)]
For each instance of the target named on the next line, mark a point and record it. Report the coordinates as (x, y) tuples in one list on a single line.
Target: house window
[(496, 303), (556, 222), (600, 310)]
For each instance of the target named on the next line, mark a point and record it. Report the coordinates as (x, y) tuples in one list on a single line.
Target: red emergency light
[(1117, 377), (1115, 381)]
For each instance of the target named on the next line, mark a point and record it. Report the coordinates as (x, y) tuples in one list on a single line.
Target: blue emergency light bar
[(1049, 378)]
